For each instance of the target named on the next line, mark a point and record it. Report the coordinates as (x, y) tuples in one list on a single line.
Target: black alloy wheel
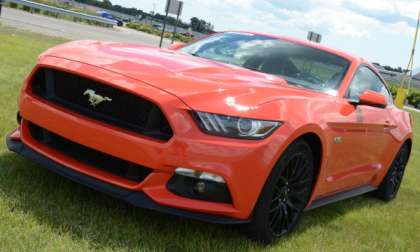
[(390, 186), (285, 194), (291, 193)]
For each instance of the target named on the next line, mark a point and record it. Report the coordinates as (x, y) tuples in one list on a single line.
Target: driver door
[(359, 136), (378, 121)]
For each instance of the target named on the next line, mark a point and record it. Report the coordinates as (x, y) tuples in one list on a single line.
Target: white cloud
[(404, 8), (324, 16), (332, 21), (381, 30), (243, 4)]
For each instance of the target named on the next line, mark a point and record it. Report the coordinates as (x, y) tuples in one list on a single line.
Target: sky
[(377, 30)]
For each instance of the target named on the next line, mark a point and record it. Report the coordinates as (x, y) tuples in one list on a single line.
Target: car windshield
[(300, 65)]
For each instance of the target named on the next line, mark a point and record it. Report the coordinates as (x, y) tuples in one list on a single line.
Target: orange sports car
[(235, 128)]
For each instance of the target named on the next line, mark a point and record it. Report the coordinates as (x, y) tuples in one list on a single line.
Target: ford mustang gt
[(235, 128)]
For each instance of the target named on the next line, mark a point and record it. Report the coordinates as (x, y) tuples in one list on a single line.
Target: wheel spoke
[(279, 189), (300, 184), (298, 194), (291, 193), (397, 179), (297, 199), (276, 208), (300, 169), (276, 199), (284, 222), (275, 222), (292, 206), (393, 184), (276, 218), (293, 165), (398, 167)]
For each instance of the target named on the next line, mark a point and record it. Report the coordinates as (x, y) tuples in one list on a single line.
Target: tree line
[(394, 69), (196, 24)]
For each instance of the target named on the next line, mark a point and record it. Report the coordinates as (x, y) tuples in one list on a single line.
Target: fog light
[(187, 183), (199, 175)]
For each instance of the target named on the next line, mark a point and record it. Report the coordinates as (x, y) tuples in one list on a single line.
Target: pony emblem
[(94, 98)]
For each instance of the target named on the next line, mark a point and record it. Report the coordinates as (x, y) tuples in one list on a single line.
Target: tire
[(390, 186), (284, 196)]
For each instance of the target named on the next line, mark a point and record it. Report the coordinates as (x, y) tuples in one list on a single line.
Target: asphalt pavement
[(72, 30)]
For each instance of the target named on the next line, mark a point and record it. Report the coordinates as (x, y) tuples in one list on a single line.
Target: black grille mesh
[(94, 158), (126, 110)]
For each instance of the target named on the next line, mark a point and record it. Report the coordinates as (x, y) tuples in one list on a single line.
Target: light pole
[(177, 21), (172, 7), (168, 4), (405, 84)]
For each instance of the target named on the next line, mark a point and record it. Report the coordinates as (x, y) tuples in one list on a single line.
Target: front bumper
[(138, 199), (243, 164)]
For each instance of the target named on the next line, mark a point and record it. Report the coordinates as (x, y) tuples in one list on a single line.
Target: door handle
[(388, 124)]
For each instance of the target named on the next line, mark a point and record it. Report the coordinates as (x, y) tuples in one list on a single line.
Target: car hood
[(201, 84)]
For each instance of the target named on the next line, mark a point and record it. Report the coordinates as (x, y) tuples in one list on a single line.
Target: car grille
[(91, 157), (126, 110)]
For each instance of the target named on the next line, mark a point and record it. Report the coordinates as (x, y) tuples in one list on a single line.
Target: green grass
[(41, 211)]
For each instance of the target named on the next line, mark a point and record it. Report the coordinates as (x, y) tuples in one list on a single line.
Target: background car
[(158, 26), (188, 34), (108, 15)]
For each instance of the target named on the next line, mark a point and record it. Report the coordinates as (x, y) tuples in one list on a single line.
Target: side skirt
[(341, 196)]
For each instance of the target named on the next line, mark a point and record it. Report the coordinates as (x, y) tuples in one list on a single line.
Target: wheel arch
[(409, 142), (316, 145), (316, 142), (313, 135)]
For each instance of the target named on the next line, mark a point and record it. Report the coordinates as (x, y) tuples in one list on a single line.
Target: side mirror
[(371, 98), (176, 46)]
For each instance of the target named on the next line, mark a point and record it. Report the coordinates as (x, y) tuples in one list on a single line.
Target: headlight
[(231, 126)]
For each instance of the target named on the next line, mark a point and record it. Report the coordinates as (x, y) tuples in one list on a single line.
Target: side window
[(366, 79)]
